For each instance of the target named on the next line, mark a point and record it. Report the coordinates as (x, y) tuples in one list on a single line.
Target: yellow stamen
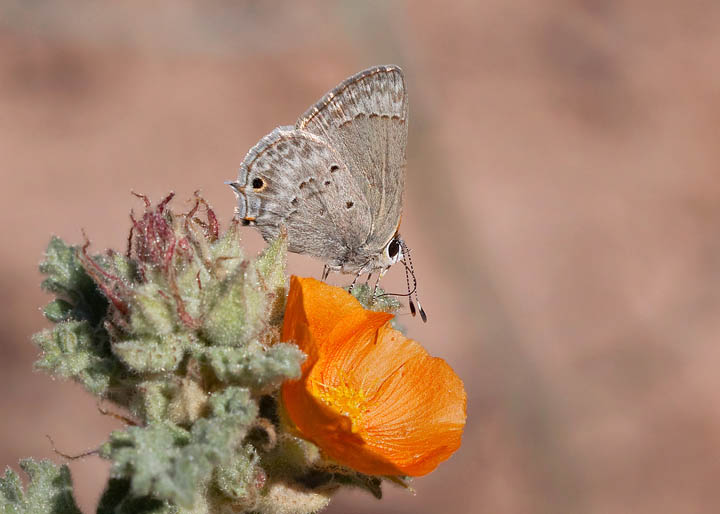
[(344, 399)]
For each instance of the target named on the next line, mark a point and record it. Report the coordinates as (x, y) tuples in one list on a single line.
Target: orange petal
[(417, 414), (369, 397), (324, 309), (415, 405)]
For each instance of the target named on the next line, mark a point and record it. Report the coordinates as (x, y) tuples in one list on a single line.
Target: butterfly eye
[(393, 249)]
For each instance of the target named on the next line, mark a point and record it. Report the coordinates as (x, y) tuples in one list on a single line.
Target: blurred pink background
[(562, 204)]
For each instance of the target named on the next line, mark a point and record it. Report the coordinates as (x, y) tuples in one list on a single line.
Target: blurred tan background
[(563, 207)]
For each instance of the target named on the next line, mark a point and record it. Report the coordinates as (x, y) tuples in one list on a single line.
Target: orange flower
[(369, 397)]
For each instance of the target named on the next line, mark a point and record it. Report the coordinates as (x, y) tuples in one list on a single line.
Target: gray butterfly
[(335, 180)]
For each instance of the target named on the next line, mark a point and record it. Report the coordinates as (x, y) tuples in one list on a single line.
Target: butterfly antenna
[(409, 293), (409, 267)]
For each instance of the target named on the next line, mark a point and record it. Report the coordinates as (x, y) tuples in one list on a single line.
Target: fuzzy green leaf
[(235, 308), (255, 365), (151, 312), (151, 402), (237, 480), (234, 405), (74, 350), (58, 310), (271, 270), (122, 266), (227, 251), (190, 282), (271, 264), (171, 463), (155, 460), (66, 278), (49, 490), (152, 355)]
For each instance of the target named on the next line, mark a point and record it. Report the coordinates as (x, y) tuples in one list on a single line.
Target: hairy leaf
[(255, 365), (151, 354), (170, 463), (49, 490), (234, 308), (68, 280), (73, 349)]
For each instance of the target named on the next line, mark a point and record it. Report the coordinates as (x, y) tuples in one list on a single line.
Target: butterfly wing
[(295, 179), (365, 120)]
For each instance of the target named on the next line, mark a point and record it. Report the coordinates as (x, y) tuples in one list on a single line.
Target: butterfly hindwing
[(295, 179), (364, 119)]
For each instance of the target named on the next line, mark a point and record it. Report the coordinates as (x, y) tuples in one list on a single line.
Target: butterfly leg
[(325, 273), (353, 283), (367, 279)]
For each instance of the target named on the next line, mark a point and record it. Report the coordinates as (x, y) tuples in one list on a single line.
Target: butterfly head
[(396, 250), (393, 252)]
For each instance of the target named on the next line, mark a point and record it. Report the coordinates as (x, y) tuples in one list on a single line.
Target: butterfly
[(334, 181)]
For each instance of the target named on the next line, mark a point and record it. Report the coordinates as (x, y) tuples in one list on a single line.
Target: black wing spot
[(258, 183), (393, 248), (245, 223), (327, 182), (294, 202), (348, 205), (334, 168), (302, 185)]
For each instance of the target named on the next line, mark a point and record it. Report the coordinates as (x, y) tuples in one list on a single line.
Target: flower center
[(346, 400)]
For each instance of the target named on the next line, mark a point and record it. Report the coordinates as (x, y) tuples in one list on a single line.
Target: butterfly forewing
[(364, 120)]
